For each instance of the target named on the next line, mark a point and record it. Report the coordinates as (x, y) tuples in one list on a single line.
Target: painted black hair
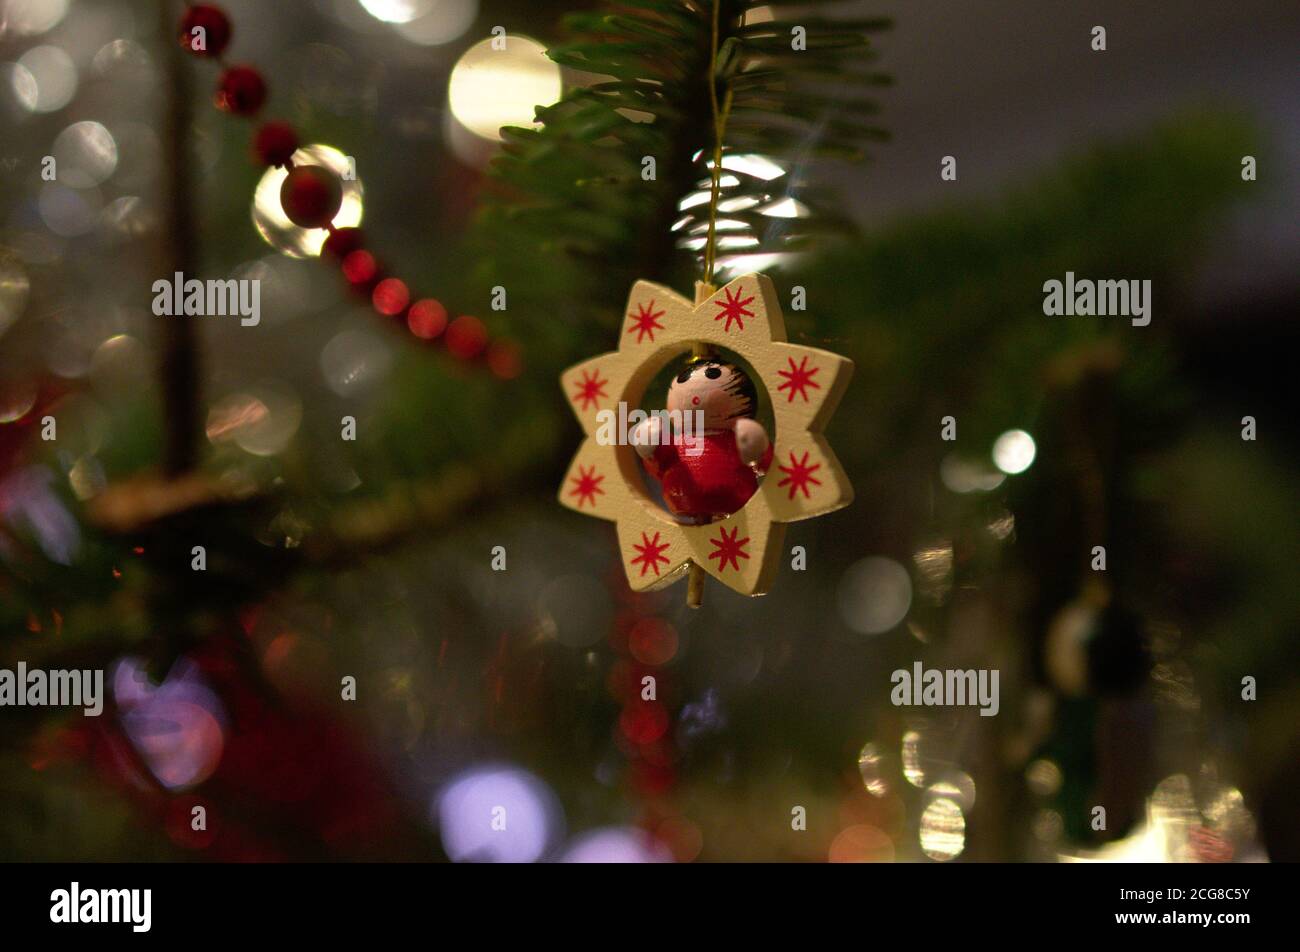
[(740, 385)]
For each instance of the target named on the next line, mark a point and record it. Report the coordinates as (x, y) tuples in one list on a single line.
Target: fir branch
[(573, 214)]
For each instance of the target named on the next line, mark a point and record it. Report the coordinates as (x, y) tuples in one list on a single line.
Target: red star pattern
[(645, 321), (733, 309), (729, 548), (587, 485), (798, 379), (590, 389), (799, 474), (651, 553)]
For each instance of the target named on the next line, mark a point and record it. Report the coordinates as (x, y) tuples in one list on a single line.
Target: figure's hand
[(751, 440), (645, 437)]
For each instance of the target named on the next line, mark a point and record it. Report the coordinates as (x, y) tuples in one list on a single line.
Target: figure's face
[(721, 391)]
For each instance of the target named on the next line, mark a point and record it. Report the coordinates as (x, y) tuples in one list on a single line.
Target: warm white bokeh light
[(31, 17), (397, 11), (448, 20), (491, 88), (274, 226), (45, 79), (1014, 451)]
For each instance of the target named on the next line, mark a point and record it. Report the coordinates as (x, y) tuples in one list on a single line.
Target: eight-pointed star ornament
[(804, 385)]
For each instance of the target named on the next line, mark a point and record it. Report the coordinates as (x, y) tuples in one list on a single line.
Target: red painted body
[(716, 482)]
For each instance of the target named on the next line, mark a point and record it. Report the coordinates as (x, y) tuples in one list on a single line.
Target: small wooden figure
[(728, 518), (709, 470)]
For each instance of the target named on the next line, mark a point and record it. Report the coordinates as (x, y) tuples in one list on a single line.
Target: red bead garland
[(205, 30), (342, 242), (427, 319), (466, 337), (311, 197), (391, 297), (241, 91), (275, 143)]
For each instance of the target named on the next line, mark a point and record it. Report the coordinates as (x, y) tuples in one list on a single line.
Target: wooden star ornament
[(804, 385)]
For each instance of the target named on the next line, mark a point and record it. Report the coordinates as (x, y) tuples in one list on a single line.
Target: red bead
[(644, 722), (311, 196), (205, 30), (427, 319), (275, 143), (466, 337), (342, 242), (362, 271), (505, 360), (391, 297), (241, 91)]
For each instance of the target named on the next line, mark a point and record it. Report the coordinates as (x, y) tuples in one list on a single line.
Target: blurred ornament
[(741, 548)]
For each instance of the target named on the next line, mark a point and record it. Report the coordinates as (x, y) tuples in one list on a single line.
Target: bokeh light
[(498, 813), (260, 420), (15, 287), (964, 475), (85, 153), (861, 843), (45, 80), (17, 397), (31, 17), (354, 361), (397, 11), (446, 21), (616, 845), (874, 595), (943, 830), (871, 769), (178, 727), (1013, 452), (276, 228), (491, 88)]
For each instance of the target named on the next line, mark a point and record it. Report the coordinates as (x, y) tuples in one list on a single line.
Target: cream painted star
[(804, 385)]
